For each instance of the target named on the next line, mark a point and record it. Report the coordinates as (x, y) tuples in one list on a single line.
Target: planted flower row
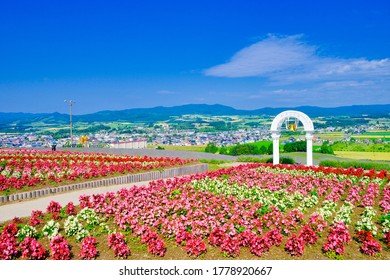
[(19, 168)]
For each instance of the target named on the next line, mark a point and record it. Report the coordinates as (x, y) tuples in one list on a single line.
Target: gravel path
[(24, 208)]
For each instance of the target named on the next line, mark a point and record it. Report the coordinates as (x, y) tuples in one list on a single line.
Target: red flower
[(196, 247), (59, 248), (53, 207), (117, 242), (231, 246), (88, 248), (70, 209), (308, 235), (295, 245), (371, 247), (32, 250)]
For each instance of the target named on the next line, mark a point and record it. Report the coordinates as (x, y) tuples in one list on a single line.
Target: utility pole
[(70, 120)]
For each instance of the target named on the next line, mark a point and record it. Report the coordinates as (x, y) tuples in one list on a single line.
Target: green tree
[(263, 150), (288, 148), (299, 146), (326, 149), (270, 149), (211, 148), (223, 151)]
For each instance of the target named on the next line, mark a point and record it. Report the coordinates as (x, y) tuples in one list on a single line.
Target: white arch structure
[(308, 128)]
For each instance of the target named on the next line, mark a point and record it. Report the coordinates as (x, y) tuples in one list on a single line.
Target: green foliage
[(160, 148), (63, 212), (355, 164), (264, 210), (314, 193), (256, 148), (263, 150), (383, 218), (214, 161), (175, 193), (253, 159), (282, 160), (326, 149), (243, 149), (270, 149), (353, 146), (239, 228), (299, 146), (223, 151), (333, 255), (183, 212), (286, 160), (211, 148), (220, 126)]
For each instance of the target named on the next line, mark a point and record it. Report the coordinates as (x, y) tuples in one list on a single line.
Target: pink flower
[(317, 223), (275, 237), (117, 242), (196, 247), (70, 209), (53, 207), (8, 245), (246, 237), (157, 247), (155, 244), (308, 235), (371, 247), (88, 248), (387, 238), (217, 236), (32, 250), (259, 245), (339, 235), (231, 246), (59, 248), (35, 214), (295, 245)]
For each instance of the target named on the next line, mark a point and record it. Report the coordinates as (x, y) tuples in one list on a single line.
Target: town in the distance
[(347, 134)]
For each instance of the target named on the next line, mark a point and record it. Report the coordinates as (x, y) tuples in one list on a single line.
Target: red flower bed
[(253, 206), (31, 167)]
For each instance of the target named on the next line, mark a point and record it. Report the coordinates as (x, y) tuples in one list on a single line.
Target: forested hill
[(164, 113)]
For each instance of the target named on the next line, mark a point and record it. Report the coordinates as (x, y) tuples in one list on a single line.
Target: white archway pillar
[(309, 148), (275, 139)]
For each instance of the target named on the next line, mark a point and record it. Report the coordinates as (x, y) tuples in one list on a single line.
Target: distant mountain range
[(163, 113)]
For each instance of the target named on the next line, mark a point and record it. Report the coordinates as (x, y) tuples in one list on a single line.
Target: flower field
[(253, 211), (28, 168)]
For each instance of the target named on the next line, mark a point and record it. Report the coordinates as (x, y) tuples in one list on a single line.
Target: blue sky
[(112, 55)]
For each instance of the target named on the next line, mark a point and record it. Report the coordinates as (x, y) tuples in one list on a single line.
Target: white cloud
[(270, 55), (289, 60)]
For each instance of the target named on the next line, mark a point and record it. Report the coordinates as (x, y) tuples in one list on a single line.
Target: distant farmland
[(364, 155)]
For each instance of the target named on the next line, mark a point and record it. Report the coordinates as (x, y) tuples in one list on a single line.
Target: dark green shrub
[(355, 164), (286, 160)]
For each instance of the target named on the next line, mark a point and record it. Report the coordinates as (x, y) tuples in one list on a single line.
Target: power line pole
[(70, 120)]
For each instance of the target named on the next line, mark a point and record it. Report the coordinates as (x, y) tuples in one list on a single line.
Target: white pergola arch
[(308, 128)]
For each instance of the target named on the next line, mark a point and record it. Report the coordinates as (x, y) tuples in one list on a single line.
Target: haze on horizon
[(115, 55)]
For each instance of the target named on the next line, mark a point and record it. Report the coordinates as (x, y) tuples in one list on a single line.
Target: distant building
[(134, 144)]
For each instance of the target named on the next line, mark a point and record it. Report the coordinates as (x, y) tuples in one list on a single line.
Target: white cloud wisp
[(290, 60)]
